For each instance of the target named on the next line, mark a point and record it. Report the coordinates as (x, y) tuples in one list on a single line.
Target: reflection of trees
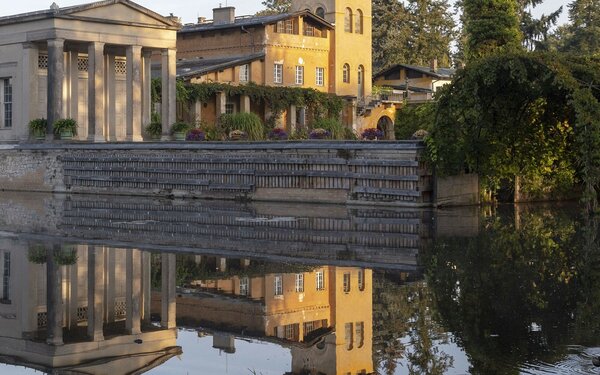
[(495, 290), (405, 327)]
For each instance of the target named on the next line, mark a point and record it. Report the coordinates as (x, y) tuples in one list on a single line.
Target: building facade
[(89, 62)]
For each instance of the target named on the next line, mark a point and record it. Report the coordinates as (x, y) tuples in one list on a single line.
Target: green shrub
[(38, 126), (154, 129), (411, 118), (180, 127), (65, 125), (333, 126), (247, 122)]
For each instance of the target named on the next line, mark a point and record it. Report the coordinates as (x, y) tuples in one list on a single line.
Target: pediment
[(118, 11)]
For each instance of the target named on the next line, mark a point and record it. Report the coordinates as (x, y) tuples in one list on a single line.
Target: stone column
[(197, 112), (111, 98), (95, 293), (133, 292), (169, 105), (221, 99), (244, 104), (110, 285), (353, 115), (29, 58), (146, 88), (134, 93), (168, 308), (73, 103), (96, 115), (302, 118), (146, 286), (56, 74), (291, 118), (54, 301), (222, 264)]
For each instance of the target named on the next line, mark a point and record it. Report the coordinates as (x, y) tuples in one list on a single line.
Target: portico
[(90, 63)]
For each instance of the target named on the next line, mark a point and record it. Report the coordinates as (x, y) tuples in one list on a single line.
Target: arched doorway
[(386, 125)]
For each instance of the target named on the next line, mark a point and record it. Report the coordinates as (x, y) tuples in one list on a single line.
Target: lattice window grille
[(82, 313), (42, 319), (120, 66), (120, 309), (43, 62), (82, 64)]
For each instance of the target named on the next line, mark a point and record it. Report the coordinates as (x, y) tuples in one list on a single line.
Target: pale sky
[(189, 10)]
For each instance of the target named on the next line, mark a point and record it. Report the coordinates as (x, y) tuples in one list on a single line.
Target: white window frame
[(347, 282), (320, 280), (244, 286), (299, 75), (278, 285), (245, 73), (320, 76), (299, 283), (278, 73)]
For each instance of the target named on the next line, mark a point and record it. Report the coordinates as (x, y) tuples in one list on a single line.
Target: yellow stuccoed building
[(321, 44)]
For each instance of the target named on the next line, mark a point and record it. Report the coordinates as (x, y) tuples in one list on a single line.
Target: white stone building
[(88, 62)]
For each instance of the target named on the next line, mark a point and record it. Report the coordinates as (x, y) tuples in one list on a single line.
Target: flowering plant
[(319, 133), (372, 133), (236, 135), (278, 134), (196, 135)]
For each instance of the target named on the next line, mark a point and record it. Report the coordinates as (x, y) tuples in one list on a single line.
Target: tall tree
[(413, 32), (275, 7), (536, 31), (583, 34), (492, 26)]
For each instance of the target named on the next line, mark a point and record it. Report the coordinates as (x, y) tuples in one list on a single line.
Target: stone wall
[(390, 173), (461, 190)]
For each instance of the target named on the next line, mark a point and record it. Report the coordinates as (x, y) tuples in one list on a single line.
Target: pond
[(106, 285)]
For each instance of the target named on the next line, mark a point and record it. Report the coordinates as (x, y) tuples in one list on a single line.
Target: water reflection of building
[(83, 309), (324, 314)]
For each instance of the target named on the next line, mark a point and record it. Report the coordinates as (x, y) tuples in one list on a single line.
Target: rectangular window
[(6, 278), (320, 280), (278, 285), (361, 280), (299, 282), (278, 73), (346, 282), (7, 102), (299, 75), (360, 334), (229, 106), (348, 336), (244, 286), (245, 73), (291, 332), (309, 30), (286, 27), (320, 80)]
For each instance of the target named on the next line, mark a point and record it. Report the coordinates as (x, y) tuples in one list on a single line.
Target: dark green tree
[(491, 26), (583, 31), (275, 7), (391, 34)]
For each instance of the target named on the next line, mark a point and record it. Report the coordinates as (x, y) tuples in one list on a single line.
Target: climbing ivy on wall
[(322, 105)]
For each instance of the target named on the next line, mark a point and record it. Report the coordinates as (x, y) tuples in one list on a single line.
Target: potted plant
[(38, 127), (36, 254), (278, 134), (319, 134), (237, 135), (195, 135), (66, 256), (179, 130), (372, 134), (66, 128), (154, 130)]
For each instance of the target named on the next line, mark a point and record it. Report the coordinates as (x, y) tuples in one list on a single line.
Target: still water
[(99, 285)]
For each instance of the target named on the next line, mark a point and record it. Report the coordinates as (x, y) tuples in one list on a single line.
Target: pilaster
[(134, 93), (96, 109)]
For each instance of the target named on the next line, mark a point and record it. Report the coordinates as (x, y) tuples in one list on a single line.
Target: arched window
[(348, 20), (320, 12), (358, 22), (346, 73)]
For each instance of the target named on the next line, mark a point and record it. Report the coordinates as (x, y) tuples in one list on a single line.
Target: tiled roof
[(440, 73), (187, 69)]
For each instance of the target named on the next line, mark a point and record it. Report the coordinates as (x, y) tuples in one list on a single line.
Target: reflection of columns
[(73, 293), (168, 309), (134, 93), (245, 263), (291, 117), (29, 72), (146, 286), (169, 106), (146, 88), (56, 72), (95, 293), (221, 103), (244, 104), (96, 117), (222, 264), (110, 285), (133, 277), (111, 98), (353, 115), (54, 302)]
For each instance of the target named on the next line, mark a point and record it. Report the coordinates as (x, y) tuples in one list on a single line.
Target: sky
[(190, 10)]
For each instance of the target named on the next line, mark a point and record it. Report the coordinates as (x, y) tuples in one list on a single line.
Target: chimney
[(201, 20), (433, 65), (173, 18), (223, 16)]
